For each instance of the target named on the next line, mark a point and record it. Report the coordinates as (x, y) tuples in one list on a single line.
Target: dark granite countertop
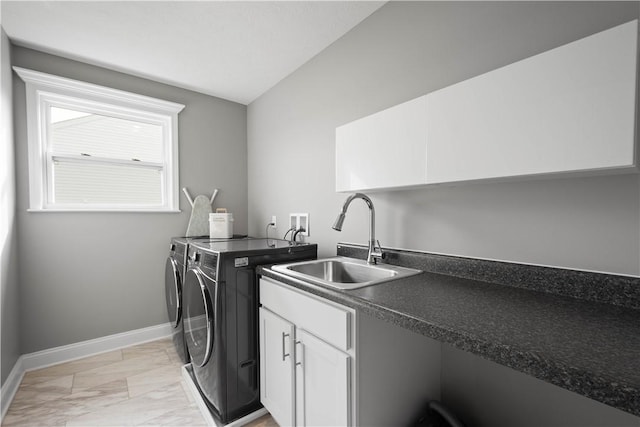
[(588, 347)]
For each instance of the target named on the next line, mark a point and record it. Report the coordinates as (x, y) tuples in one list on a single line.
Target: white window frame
[(45, 90)]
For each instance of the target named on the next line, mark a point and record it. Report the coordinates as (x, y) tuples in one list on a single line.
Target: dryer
[(221, 318)]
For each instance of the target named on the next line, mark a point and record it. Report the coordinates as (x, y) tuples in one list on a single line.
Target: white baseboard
[(67, 353), (10, 386)]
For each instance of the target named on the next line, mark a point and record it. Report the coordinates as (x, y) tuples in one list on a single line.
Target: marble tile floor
[(140, 385)]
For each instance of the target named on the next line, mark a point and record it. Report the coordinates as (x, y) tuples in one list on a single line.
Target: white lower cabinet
[(302, 377), (305, 380), (323, 364)]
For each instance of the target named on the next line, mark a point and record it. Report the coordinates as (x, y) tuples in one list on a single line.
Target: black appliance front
[(221, 319), (173, 280), (174, 275)]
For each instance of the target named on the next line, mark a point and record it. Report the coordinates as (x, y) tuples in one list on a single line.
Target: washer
[(174, 271), (221, 318)]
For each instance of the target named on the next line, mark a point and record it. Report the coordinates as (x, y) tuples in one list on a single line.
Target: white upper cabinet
[(384, 150), (571, 109)]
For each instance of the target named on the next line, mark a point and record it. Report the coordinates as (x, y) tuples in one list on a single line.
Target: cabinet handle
[(284, 355), (301, 348)]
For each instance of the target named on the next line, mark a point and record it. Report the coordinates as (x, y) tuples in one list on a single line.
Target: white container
[(221, 224)]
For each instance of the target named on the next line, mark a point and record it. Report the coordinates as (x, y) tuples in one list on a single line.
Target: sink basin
[(343, 273)]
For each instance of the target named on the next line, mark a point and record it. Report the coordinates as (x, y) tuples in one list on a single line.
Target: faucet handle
[(377, 251)]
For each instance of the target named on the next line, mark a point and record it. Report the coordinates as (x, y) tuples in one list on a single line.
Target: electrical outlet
[(274, 223)]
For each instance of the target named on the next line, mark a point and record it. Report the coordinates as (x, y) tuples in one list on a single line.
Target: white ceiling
[(235, 50)]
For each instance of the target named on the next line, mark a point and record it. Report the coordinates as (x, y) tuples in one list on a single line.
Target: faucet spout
[(375, 251), (338, 224)]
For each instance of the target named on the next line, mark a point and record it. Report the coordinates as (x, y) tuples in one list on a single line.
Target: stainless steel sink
[(344, 273)]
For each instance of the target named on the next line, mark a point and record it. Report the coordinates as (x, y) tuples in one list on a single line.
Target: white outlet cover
[(297, 220)]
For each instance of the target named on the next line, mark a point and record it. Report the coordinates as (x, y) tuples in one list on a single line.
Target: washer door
[(199, 317), (173, 291)]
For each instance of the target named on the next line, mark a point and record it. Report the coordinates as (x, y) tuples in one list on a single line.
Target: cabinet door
[(323, 383), (276, 367), (566, 110), (383, 150)]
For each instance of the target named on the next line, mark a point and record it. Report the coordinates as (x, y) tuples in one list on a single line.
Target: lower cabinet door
[(323, 383), (276, 367)]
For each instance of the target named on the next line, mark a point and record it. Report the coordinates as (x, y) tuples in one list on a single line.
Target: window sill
[(107, 210)]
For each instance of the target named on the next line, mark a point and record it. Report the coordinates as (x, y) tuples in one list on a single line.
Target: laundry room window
[(93, 148)]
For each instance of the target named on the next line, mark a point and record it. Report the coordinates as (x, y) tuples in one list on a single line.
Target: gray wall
[(405, 50), (402, 51), (484, 393), (10, 346), (88, 275)]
